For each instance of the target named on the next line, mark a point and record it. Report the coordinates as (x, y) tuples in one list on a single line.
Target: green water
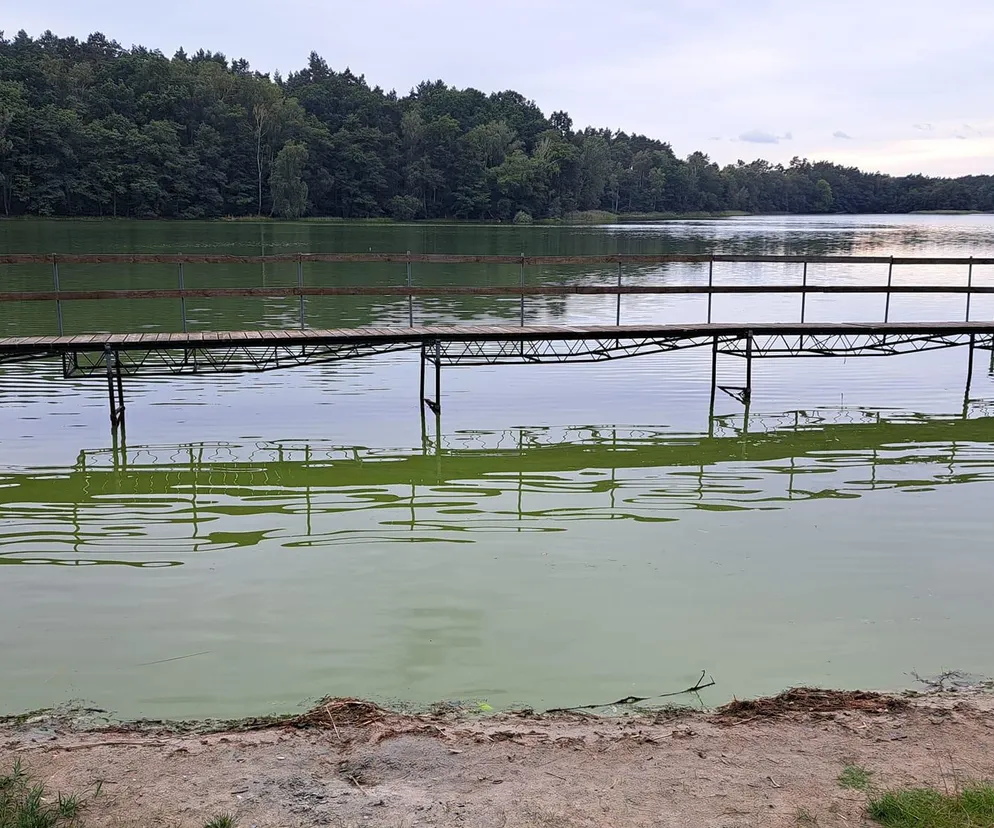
[(564, 535)]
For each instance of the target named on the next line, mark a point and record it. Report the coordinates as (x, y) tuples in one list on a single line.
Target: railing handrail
[(455, 258), (509, 291)]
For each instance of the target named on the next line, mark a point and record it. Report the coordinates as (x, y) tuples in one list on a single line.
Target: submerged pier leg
[(714, 384), (969, 374), (436, 404), (747, 391), (437, 408), (421, 394), (115, 390)]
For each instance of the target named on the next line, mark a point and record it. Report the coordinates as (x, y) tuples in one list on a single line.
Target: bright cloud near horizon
[(900, 87)]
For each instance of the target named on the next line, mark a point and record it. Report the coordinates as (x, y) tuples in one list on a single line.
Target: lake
[(563, 535)]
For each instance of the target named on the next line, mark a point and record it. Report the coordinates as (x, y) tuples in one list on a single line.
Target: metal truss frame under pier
[(128, 355)]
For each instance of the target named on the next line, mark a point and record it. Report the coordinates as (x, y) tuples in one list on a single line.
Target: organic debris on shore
[(809, 700), (349, 762), (332, 713)]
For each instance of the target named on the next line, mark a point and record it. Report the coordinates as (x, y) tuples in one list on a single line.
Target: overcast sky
[(894, 85)]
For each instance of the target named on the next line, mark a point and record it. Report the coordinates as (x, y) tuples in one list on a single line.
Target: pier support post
[(714, 384), (747, 391), (436, 404), (115, 390), (421, 394), (437, 408), (969, 374)]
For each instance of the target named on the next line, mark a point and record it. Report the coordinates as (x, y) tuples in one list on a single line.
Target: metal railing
[(301, 290)]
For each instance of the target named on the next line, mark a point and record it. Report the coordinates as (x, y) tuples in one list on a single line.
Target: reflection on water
[(155, 506), (527, 566), (299, 535)]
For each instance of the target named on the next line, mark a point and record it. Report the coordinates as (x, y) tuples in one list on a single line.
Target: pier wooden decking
[(120, 354)]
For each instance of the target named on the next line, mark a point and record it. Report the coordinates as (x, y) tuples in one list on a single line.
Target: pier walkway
[(116, 355)]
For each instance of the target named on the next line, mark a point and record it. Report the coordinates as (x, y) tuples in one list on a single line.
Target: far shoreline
[(591, 218)]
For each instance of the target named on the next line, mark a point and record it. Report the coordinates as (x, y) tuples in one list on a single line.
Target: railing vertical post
[(969, 293), (521, 283), (710, 286), (410, 297), (804, 290), (617, 315), (58, 301), (890, 280), (300, 287), (182, 298)]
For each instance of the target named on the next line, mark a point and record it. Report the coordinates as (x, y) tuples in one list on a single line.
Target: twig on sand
[(356, 782), (331, 719), (88, 745), (629, 700)]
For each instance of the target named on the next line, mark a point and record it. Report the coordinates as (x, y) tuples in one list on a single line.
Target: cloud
[(840, 134), (757, 72), (758, 136)]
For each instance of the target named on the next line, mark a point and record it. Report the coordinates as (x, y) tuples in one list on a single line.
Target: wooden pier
[(117, 354)]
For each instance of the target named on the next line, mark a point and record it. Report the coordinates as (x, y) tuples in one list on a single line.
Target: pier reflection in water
[(536, 565), (293, 537), (161, 504)]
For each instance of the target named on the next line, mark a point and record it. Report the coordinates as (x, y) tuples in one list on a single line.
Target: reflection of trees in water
[(738, 237)]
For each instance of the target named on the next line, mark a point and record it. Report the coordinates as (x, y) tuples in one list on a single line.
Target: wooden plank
[(89, 342)]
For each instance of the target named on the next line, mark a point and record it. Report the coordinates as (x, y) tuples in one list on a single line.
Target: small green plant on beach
[(25, 804), (970, 807), (221, 821)]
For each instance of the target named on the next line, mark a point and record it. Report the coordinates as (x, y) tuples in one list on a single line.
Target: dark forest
[(88, 128)]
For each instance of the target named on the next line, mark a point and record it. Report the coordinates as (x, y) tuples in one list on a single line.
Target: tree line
[(88, 128)]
